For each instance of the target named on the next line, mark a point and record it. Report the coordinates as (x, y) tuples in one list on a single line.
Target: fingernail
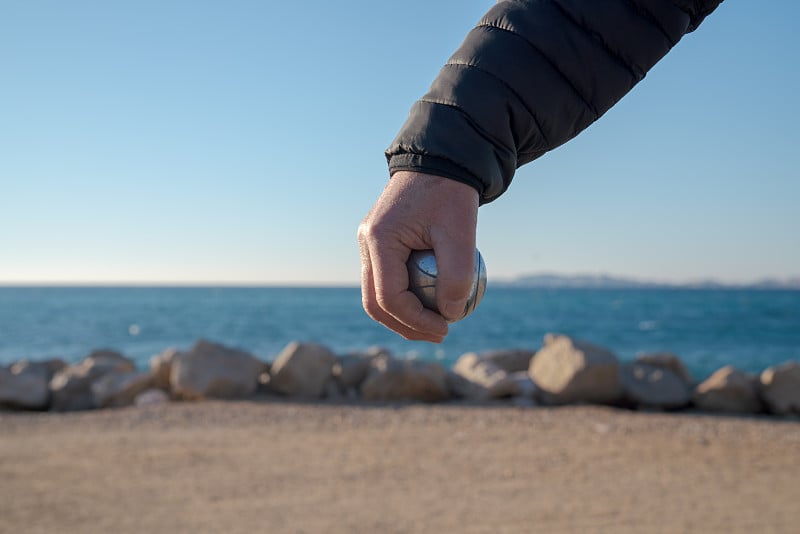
[(454, 309)]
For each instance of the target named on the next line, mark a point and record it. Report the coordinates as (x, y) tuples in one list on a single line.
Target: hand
[(415, 212)]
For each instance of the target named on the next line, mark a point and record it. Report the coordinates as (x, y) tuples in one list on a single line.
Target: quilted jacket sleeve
[(529, 77)]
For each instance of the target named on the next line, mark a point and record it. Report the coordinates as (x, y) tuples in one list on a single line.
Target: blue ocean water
[(706, 328)]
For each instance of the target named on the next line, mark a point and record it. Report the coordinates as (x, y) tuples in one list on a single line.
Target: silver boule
[(422, 273)]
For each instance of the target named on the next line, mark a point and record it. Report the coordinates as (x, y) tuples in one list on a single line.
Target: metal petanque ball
[(422, 272)]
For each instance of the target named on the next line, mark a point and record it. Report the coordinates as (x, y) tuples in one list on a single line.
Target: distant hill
[(602, 281)]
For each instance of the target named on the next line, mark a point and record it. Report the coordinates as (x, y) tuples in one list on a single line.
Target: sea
[(707, 329)]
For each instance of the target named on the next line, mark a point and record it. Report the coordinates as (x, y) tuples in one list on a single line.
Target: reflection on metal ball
[(422, 272)]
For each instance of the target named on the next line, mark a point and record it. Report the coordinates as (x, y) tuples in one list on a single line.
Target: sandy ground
[(280, 467)]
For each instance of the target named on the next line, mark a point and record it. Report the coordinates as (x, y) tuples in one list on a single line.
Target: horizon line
[(791, 279), (174, 284), (500, 284)]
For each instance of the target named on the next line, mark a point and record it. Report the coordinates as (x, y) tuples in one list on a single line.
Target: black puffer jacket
[(532, 75)]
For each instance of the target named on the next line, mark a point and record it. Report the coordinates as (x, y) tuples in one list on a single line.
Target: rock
[(27, 391), (161, 368), (390, 379), (44, 368), (570, 371), (509, 360), (487, 380), (780, 388), (481, 375), (669, 361), (117, 389), (649, 386), (728, 390), (351, 369), (211, 370), (333, 391), (151, 397), (461, 388), (27, 387), (71, 387), (302, 370), (109, 359)]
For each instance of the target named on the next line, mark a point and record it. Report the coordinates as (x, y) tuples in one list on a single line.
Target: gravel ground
[(266, 466)]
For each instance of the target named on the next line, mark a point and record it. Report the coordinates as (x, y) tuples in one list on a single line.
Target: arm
[(532, 75)]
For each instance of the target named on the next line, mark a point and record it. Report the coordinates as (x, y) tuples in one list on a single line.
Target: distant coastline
[(603, 281)]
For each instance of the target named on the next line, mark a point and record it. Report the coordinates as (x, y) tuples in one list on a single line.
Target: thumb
[(455, 261)]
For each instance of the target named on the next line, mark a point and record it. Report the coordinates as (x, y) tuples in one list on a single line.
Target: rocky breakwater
[(562, 371)]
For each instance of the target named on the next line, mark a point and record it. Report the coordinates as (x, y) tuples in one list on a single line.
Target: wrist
[(435, 166)]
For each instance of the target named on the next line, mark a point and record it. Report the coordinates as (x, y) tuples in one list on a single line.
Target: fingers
[(390, 279), (455, 261), (417, 212), (386, 298)]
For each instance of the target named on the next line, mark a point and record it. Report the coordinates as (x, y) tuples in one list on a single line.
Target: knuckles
[(371, 231), (382, 302), (372, 309)]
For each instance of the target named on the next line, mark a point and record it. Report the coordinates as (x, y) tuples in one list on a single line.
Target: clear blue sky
[(242, 142)]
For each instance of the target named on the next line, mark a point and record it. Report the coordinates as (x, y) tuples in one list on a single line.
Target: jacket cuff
[(436, 166)]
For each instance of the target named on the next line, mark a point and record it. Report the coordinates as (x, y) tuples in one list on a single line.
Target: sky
[(242, 142)]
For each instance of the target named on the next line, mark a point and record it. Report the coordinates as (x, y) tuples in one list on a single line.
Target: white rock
[(302, 370), (71, 388), (489, 380), (570, 371), (210, 370), (161, 367), (728, 390)]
